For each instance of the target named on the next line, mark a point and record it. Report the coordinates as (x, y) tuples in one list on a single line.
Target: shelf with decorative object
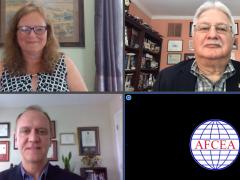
[(94, 173), (142, 54)]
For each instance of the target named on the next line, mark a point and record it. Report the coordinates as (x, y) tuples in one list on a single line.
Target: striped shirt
[(204, 84)]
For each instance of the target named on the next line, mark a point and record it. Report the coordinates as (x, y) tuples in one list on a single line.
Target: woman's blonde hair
[(13, 59)]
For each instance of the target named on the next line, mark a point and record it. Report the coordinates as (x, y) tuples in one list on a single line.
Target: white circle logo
[(214, 144)]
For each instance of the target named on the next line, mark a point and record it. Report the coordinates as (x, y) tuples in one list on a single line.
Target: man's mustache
[(214, 42)]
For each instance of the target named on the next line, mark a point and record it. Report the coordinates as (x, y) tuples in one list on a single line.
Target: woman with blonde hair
[(31, 60)]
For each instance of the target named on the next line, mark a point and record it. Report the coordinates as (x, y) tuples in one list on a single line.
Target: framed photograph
[(53, 130), (190, 29), (188, 56), (14, 142), (235, 44), (52, 152), (175, 45), (174, 58), (88, 141), (236, 28), (4, 129), (190, 45), (67, 17), (67, 138), (4, 151)]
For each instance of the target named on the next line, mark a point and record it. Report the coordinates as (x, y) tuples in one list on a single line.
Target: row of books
[(146, 81), (148, 61)]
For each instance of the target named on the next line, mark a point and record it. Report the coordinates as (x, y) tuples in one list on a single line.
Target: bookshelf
[(142, 55), (95, 173)]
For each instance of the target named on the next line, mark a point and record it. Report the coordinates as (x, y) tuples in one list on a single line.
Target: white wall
[(68, 118)]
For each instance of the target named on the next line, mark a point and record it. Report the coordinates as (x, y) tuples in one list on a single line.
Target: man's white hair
[(214, 5)]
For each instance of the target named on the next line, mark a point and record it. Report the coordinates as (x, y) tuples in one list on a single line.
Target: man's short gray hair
[(214, 5)]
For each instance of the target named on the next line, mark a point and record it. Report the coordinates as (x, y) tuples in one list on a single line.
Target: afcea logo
[(214, 144)]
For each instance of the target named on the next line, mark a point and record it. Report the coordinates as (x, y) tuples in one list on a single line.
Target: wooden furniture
[(142, 55), (96, 173)]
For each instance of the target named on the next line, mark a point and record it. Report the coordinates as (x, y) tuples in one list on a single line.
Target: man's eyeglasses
[(39, 30), (220, 28)]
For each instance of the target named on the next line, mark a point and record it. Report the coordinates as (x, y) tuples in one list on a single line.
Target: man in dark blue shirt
[(33, 138)]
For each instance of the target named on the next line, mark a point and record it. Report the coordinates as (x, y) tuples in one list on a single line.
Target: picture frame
[(52, 152), (89, 143), (4, 129), (53, 129), (174, 58), (190, 29), (235, 44), (4, 151), (14, 142), (190, 45), (67, 17), (175, 45), (188, 56), (236, 28), (67, 138)]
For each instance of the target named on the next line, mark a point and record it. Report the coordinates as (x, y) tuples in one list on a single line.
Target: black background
[(158, 128)]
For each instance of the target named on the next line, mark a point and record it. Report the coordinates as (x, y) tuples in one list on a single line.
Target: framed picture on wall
[(4, 129), (174, 58), (235, 44), (67, 17), (4, 151), (53, 130), (190, 29), (89, 143), (52, 152), (175, 45), (14, 142), (236, 28), (190, 45), (67, 138)]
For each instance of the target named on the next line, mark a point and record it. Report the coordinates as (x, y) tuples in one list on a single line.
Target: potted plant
[(66, 161)]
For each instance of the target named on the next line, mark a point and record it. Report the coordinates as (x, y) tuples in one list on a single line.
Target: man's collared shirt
[(203, 84), (26, 176)]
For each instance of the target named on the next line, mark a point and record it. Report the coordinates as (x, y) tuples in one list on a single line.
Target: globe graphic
[(214, 144)]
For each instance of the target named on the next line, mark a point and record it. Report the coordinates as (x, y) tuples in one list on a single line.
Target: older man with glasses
[(212, 70)]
